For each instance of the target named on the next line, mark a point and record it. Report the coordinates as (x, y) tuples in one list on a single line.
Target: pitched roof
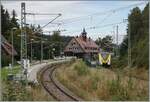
[(7, 46), (87, 45)]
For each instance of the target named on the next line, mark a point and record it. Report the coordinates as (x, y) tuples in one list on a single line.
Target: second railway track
[(49, 84)]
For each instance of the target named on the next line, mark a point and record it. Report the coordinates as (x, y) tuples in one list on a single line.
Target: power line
[(47, 24), (109, 15), (77, 19), (101, 13), (98, 27), (51, 21), (42, 14), (110, 12)]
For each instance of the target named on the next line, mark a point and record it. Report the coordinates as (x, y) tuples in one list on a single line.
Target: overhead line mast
[(23, 36)]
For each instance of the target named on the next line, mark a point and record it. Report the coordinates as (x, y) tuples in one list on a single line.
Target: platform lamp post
[(53, 52), (41, 47), (12, 38), (31, 49), (50, 51)]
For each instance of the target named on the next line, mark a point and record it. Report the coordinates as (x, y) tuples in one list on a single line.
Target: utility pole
[(117, 50), (31, 49), (31, 52), (41, 47), (113, 34), (12, 52), (129, 43), (129, 46), (12, 42), (114, 39), (49, 46), (0, 59)]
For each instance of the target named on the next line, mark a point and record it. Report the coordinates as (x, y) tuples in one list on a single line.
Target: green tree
[(124, 47), (56, 37), (99, 42), (14, 20), (136, 23), (5, 18), (105, 43), (139, 25), (56, 41)]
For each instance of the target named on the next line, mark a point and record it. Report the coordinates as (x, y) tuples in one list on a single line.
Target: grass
[(81, 69), (17, 91), (38, 93), (14, 91), (5, 71), (101, 84)]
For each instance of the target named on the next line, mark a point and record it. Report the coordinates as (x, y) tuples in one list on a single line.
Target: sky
[(77, 15)]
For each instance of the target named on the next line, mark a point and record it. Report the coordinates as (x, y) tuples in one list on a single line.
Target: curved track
[(49, 84)]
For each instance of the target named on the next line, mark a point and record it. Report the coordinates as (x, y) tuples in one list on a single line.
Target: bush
[(5, 60), (13, 91), (118, 91), (81, 68), (5, 71)]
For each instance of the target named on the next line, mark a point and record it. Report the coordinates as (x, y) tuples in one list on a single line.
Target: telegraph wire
[(97, 14), (98, 27)]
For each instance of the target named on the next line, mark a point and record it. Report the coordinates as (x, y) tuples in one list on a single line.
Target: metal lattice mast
[(23, 35)]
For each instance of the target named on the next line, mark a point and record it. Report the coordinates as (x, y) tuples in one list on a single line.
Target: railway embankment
[(101, 84)]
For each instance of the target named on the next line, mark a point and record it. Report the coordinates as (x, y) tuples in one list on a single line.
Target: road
[(33, 70)]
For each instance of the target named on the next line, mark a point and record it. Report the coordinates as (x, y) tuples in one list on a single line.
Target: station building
[(81, 46)]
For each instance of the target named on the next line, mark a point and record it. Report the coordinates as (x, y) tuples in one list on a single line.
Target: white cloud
[(73, 9)]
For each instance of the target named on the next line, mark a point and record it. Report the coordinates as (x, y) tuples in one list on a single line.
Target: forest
[(139, 32), (55, 40)]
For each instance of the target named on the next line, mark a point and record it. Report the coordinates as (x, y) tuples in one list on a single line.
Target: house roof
[(87, 44), (7, 46)]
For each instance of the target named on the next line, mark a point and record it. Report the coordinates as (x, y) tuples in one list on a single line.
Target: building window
[(73, 43)]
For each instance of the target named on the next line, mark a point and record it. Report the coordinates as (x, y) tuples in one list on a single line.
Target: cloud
[(72, 10)]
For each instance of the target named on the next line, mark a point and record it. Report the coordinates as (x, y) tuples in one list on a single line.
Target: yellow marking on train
[(104, 61)]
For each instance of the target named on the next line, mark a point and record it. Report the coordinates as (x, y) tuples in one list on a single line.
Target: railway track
[(49, 84)]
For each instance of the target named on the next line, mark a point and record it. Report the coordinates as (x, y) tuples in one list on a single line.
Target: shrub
[(13, 91), (81, 68), (118, 91)]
